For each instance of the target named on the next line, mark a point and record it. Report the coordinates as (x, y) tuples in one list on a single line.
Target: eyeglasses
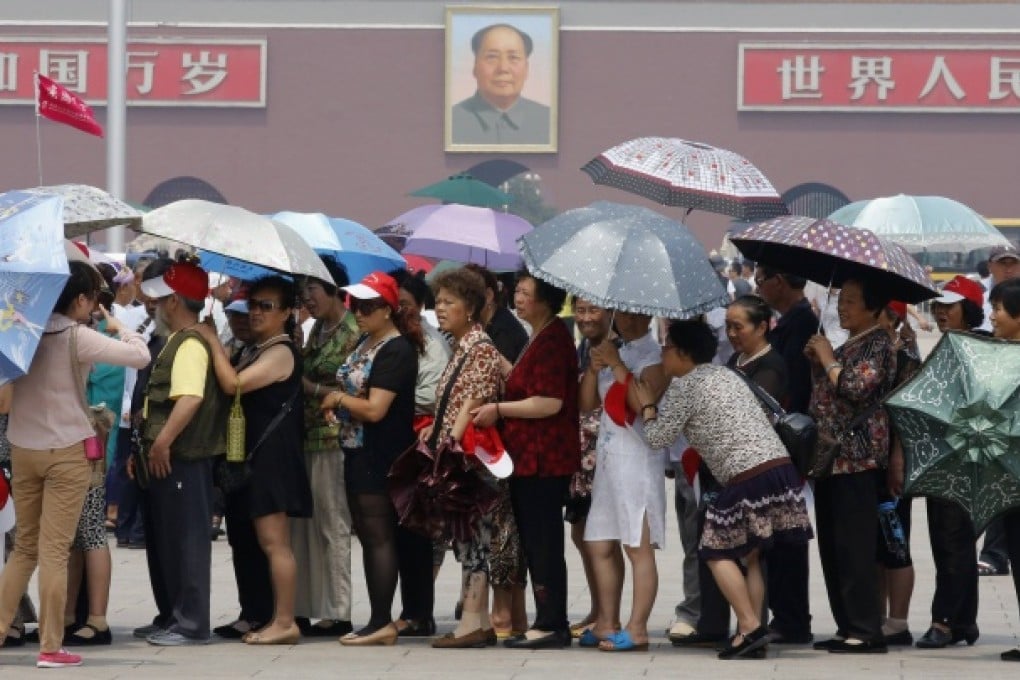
[(263, 305), (365, 307), (762, 279)]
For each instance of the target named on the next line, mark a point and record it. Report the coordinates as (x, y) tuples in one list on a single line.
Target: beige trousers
[(322, 544), (49, 490)]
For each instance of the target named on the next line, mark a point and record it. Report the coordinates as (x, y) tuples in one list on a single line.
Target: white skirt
[(629, 486)]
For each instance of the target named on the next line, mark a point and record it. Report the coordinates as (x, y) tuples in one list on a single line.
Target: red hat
[(615, 403), (962, 288), (376, 285), (899, 308), (187, 280)]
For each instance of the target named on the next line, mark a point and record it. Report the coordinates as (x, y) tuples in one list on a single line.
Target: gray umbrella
[(627, 258)]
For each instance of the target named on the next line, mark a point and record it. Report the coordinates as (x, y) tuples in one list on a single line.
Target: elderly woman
[(848, 388), (538, 414), (759, 504), (471, 379), (322, 543), (376, 408), (271, 395), (628, 500), (48, 428), (415, 551)]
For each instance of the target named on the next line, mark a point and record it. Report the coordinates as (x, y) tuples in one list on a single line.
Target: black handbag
[(798, 431), (231, 477)]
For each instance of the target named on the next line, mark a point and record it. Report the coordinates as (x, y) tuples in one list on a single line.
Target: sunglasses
[(365, 307), (263, 305)]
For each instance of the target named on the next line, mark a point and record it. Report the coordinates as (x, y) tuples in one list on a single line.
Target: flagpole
[(116, 112), (38, 131)]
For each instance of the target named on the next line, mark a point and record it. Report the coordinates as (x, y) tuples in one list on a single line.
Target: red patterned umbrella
[(689, 174), (828, 252)]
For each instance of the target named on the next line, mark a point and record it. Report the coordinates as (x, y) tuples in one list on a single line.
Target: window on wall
[(179, 188), (814, 199)]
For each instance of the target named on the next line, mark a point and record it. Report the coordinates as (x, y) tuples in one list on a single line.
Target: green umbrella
[(959, 422), (466, 190)]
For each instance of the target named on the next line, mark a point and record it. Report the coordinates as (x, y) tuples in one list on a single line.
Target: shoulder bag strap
[(444, 399), (274, 423), (766, 398), (76, 369)]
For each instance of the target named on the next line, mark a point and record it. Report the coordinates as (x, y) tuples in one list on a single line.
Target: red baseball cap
[(962, 288), (183, 278), (376, 285), (899, 308)]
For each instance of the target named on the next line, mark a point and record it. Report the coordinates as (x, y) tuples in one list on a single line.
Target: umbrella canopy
[(920, 223), (466, 190), (627, 258), (417, 263), (356, 247), (33, 270), (957, 419), (465, 234), (689, 174), (829, 253), (88, 209), (234, 239)]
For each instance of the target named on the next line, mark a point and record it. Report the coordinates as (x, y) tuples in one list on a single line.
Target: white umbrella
[(235, 234), (88, 208)]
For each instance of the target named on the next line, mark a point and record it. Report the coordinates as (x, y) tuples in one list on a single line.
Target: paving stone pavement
[(130, 606)]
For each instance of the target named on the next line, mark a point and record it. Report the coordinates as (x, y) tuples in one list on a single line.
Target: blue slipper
[(588, 639), (622, 642)]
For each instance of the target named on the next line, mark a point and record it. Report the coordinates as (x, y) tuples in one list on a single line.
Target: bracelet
[(655, 406), (499, 415), (834, 364)]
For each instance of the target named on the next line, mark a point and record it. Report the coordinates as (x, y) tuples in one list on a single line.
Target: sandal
[(98, 637), (621, 642)]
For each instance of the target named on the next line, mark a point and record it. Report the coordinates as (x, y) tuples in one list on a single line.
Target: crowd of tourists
[(292, 433)]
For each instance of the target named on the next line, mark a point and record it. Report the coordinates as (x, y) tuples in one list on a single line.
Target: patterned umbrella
[(465, 234), (88, 209), (922, 223), (688, 174), (625, 257), (829, 253), (466, 190), (957, 419)]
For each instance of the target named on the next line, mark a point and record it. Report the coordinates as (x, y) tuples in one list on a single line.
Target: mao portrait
[(501, 79)]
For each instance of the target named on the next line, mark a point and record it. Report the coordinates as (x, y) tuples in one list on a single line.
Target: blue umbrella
[(627, 258), (33, 270), (353, 245)]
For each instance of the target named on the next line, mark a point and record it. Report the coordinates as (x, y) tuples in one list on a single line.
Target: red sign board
[(160, 72), (868, 77)]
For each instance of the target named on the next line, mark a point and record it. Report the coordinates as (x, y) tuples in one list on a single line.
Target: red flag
[(58, 103)]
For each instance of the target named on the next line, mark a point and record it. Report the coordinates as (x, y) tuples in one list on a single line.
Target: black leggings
[(375, 523)]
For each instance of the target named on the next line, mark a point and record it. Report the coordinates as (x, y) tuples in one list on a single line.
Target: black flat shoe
[(900, 639), (335, 629), (826, 645), (780, 638), (935, 638), (752, 645), (697, 640), (15, 640), (559, 639), (968, 634), (423, 628), (229, 632), (99, 637), (866, 647), (1011, 655)]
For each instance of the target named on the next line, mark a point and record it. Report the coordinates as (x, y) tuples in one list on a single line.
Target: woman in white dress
[(628, 500)]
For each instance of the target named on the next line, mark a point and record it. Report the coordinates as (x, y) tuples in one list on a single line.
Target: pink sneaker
[(58, 659)]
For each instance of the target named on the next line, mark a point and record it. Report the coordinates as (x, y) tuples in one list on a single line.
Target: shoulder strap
[(76, 369), (766, 398), (444, 399), (275, 422)]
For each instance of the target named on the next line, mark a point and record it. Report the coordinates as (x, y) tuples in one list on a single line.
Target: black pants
[(1011, 527), (953, 549), (846, 512), (786, 569), (130, 525), (414, 564), (181, 504), (994, 550), (538, 509), (156, 563), (715, 609), (251, 568)]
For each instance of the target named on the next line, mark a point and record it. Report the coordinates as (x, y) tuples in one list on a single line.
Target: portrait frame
[(471, 123)]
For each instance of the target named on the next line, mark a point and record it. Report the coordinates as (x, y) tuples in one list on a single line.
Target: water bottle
[(892, 530)]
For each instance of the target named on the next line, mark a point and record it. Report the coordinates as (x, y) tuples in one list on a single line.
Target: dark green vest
[(205, 436)]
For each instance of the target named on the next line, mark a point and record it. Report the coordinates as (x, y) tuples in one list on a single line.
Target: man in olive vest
[(183, 430)]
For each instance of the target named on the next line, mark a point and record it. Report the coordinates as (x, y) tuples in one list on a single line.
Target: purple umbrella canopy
[(828, 252), (464, 234)]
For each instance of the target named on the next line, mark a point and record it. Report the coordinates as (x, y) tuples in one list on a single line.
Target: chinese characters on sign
[(172, 72), (865, 77)]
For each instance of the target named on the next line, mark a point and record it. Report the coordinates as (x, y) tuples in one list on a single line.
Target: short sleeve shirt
[(478, 379), (187, 377)]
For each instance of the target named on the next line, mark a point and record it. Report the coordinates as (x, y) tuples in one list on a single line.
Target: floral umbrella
[(688, 174), (829, 253), (88, 209)]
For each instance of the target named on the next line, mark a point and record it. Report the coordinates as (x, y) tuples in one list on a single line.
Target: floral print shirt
[(352, 377), (868, 376), (479, 378), (323, 355)]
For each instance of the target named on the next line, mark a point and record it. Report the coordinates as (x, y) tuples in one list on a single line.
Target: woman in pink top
[(48, 426)]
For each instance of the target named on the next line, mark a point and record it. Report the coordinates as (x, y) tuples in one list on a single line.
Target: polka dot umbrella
[(830, 253), (688, 174)]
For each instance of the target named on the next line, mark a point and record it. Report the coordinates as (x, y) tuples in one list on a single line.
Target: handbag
[(235, 428), (100, 418), (232, 476), (820, 462), (797, 431)]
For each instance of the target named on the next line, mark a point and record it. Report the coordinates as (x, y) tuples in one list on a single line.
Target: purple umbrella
[(829, 253), (465, 234)]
